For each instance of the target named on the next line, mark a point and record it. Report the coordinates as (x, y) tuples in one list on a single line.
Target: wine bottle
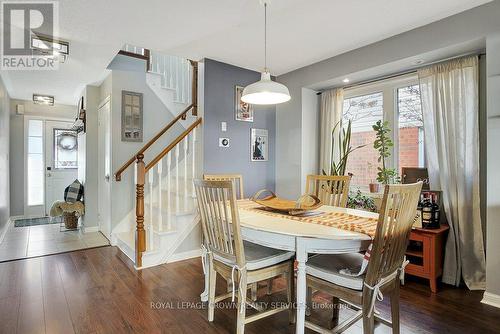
[(427, 212), (435, 212)]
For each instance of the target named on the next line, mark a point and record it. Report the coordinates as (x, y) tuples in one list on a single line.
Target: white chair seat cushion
[(259, 257), (327, 267)]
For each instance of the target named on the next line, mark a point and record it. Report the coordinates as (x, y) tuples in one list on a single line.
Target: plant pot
[(374, 187)]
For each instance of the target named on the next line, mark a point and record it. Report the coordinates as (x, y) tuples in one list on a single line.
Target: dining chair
[(236, 178), (330, 189), (327, 273), (240, 261)]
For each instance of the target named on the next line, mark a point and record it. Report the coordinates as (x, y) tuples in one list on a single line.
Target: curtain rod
[(402, 73)]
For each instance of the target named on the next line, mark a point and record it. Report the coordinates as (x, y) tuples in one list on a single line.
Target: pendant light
[(265, 91)]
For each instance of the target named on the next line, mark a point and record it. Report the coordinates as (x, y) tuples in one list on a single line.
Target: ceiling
[(300, 32)]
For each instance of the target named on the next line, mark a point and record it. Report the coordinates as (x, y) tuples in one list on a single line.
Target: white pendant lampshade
[(265, 91)]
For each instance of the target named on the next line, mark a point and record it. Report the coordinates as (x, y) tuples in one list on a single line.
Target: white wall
[(58, 112), (4, 159), (493, 170)]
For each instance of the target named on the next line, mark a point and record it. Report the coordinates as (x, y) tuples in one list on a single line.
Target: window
[(35, 162), (396, 101), (363, 111), (65, 149), (411, 127)]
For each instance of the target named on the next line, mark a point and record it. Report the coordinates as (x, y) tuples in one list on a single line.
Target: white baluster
[(169, 164), (157, 63), (160, 203), (193, 158), (149, 244), (170, 72), (186, 143), (176, 82), (177, 178)]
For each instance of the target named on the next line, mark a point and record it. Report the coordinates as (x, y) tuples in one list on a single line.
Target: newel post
[(194, 87), (140, 239)]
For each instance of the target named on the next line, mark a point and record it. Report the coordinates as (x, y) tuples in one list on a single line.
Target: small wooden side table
[(425, 253)]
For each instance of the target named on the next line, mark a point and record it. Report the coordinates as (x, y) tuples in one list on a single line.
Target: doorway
[(104, 167)]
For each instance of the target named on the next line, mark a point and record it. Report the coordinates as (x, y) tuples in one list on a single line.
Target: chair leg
[(335, 312), (395, 309), (211, 293), (242, 297), (368, 321), (269, 287), (290, 293), (309, 294), (253, 290)]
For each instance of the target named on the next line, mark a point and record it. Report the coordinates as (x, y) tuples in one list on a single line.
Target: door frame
[(100, 177), (44, 119)]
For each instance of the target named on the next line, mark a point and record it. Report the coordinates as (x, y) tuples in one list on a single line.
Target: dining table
[(288, 233)]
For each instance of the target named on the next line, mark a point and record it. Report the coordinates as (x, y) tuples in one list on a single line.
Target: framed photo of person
[(242, 111), (259, 145)]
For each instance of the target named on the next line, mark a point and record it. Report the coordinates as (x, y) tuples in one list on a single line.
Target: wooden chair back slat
[(237, 180), (396, 217), (219, 218), (330, 189)]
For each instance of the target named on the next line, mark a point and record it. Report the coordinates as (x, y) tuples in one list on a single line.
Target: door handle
[(106, 178)]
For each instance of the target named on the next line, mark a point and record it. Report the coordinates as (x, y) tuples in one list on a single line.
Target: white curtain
[(450, 108), (331, 113)]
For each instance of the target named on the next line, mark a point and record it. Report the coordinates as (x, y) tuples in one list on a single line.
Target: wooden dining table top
[(280, 224)]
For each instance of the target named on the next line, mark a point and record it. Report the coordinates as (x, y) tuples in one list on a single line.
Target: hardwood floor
[(95, 291)]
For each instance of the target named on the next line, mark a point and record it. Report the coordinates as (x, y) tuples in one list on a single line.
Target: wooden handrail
[(119, 172), (173, 144)]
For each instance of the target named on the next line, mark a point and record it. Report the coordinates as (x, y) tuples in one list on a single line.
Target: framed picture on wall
[(259, 145), (132, 116), (242, 111)]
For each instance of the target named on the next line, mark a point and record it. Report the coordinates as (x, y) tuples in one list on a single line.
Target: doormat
[(37, 221)]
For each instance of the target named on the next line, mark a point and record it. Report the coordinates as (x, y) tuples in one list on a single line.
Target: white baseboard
[(491, 299), (90, 229), (185, 255)]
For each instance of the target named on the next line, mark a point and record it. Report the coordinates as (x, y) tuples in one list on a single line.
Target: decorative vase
[(374, 187)]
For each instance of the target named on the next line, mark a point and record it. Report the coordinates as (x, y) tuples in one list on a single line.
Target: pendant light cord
[(265, 36)]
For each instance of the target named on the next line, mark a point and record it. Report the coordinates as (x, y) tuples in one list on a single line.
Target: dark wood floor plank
[(98, 291)]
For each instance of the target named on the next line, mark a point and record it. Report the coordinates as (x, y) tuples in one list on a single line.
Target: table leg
[(301, 255)]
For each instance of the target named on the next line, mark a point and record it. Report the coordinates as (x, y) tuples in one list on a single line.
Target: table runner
[(343, 221)]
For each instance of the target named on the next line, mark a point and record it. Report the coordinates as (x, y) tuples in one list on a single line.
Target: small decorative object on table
[(300, 207)]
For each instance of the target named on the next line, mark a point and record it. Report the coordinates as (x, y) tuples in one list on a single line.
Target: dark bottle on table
[(435, 212), (427, 212)]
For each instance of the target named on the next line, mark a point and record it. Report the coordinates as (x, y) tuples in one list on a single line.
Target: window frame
[(389, 89)]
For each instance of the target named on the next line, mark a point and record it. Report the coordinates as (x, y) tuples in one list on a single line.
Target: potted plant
[(374, 186), (344, 149), (357, 200), (383, 145)]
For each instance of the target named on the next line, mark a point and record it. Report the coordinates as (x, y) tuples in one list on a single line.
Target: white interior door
[(104, 168), (61, 160)]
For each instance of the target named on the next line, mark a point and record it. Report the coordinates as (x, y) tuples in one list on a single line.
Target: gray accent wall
[(4, 159), (220, 80)]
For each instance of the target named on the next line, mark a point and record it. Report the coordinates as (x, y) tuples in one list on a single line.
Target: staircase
[(165, 209)]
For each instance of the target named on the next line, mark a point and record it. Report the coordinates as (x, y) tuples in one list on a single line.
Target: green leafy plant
[(383, 145), (344, 148), (357, 200)]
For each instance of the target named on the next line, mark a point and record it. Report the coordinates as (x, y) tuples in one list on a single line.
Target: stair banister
[(140, 240)]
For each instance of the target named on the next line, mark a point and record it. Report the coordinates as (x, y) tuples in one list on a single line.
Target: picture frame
[(415, 174), (259, 145), (132, 116), (242, 111)]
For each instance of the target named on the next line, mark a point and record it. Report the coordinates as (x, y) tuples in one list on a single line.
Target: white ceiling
[(301, 32)]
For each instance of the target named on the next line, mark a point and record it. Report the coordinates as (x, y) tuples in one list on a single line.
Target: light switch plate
[(223, 126), (223, 142)]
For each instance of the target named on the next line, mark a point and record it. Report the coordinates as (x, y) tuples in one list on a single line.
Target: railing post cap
[(140, 156)]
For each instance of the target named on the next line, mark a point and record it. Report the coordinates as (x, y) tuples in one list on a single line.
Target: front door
[(104, 168), (61, 160)]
